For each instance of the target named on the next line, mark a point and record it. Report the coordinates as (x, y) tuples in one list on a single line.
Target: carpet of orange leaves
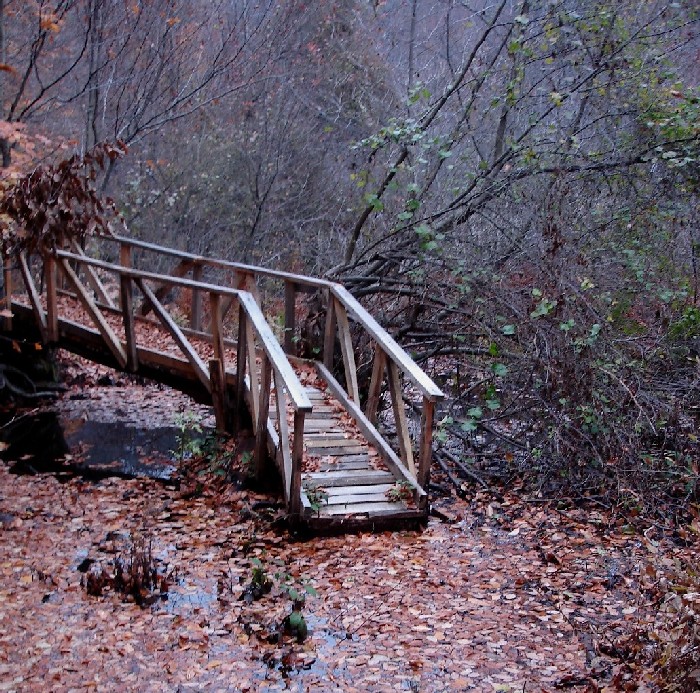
[(508, 597)]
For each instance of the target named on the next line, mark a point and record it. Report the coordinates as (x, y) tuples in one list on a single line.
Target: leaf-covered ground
[(509, 597)]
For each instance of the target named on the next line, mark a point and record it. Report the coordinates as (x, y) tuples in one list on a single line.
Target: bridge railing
[(258, 364), (393, 370)]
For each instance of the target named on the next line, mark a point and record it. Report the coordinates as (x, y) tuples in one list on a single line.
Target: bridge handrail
[(299, 398), (390, 364), (391, 348)]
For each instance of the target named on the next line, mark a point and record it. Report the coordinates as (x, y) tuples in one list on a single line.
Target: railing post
[(252, 369), (124, 261), (375, 384), (217, 365), (126, 302), (329, 332), (400, 417), (7, 291), (290, 292), (297, 457), (348, 353), (241, 359), (51, 271), (426, 442), (196, 307), (263, 398), (218, 394)]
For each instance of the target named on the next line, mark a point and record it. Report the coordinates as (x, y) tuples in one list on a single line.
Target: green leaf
[(508, 329), (493, 349), (476, 412), (500, 370), (310, 590), (493, 404), (296, 618), (469, 426)]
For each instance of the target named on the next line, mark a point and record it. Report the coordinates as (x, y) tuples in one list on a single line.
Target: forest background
[(512, 187)]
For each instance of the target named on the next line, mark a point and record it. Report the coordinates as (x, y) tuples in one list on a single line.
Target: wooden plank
[(330, 441), (350, 478), (395, 353), (389, 457), (102, 325), (366, 489), (166, 320), (397, 404), (290, 294), (34, 298), (338, 466), (348, 354), (126, 300), (348, 500), (375, 385), (263, 396), (361, 459), (323, 451), (379, 506)]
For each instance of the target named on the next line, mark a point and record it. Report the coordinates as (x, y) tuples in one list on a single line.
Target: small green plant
[(317, 497), (400, 491), (189, 437), (297, 590), (260, 582)]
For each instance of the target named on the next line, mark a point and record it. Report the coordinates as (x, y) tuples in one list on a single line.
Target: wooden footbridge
[(232, 335)]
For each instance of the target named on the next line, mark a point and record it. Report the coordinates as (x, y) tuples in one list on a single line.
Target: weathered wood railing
[(392, 366), (261, 365)]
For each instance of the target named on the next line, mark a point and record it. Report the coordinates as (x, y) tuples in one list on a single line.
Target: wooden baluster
[(252, 369), (329, 332), (348, 354), (7, 291), (51, 271), (34, 298), (426, 442), (217, 378), (125, 258), (290, 293), (263, 398), (297, 456), (126, 302), (245, 281), (108, 335), (124, 261), (217, 365), (400, 418), (283, 426), (196, 307), (375, 385), (241, 360)]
